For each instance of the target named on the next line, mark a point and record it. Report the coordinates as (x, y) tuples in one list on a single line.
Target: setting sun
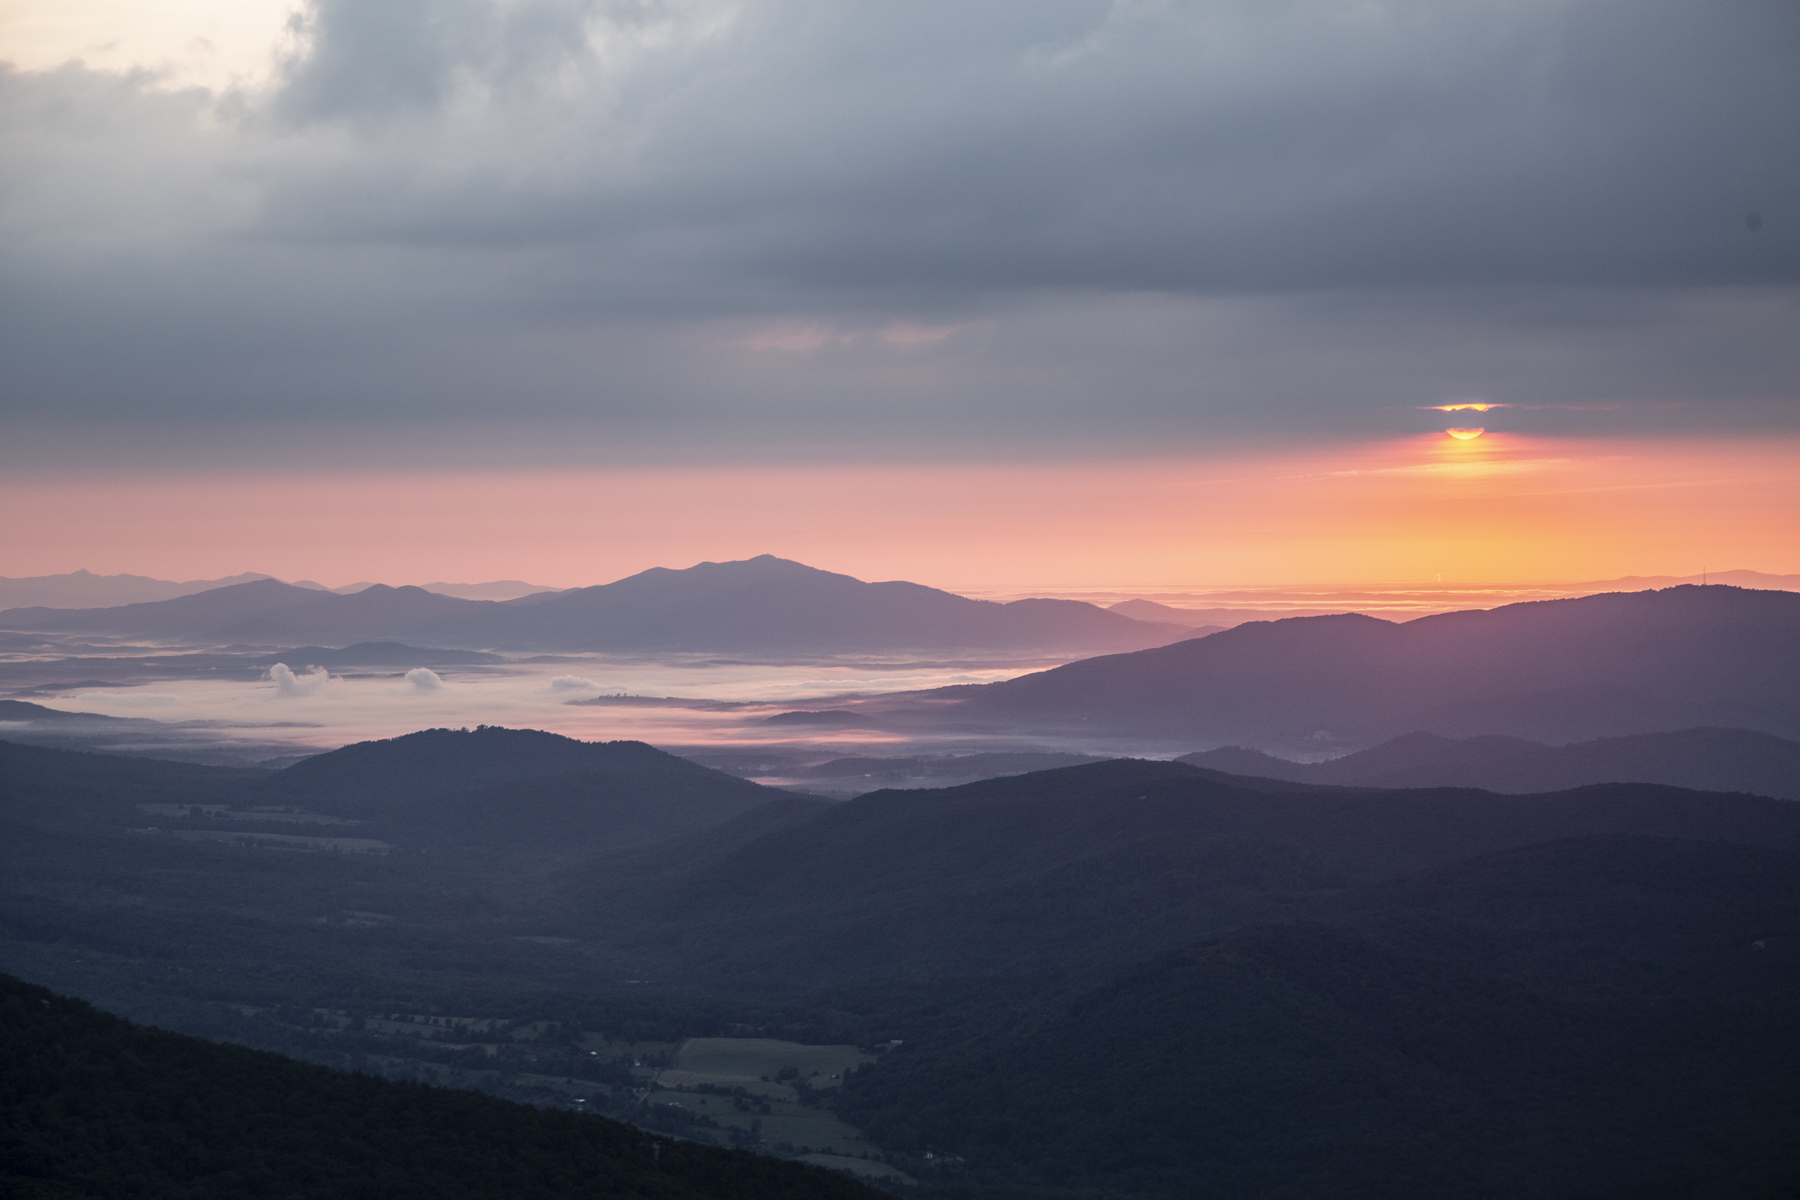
[(1466, 435)]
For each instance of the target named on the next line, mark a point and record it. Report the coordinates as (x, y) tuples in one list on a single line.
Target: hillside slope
[(1068, 870), (1590, 1018), (1555, 670), (94, 1106)]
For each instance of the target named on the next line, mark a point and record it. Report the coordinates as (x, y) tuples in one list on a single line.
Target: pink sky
[(1501, 508)]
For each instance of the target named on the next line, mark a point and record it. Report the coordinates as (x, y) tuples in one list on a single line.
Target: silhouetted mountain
[(389, 778), (271, 611), (24, 711), (203, 613), (765, 604), (1597, 1017), (771, 604), (37, 725), (93, 1106), (83, 589), (1556, 670), (1717, 760), (1735, 578)]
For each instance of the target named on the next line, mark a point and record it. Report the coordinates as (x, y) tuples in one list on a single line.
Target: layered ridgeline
[(1121, 978), (488, 794), (84, 589), (1059, 874), (764, 604), (97, 1107), (1720, 760), (1555, 671)]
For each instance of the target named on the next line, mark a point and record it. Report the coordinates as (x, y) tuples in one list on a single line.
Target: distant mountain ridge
[(1717, 760), (84, 589), (1553, 670), (764, 604)]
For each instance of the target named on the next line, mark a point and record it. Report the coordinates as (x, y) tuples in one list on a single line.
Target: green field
[(785, 1123), (768, 1073), (745, 1061)]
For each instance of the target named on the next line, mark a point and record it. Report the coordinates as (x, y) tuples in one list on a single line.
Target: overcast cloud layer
[(1031, 224)]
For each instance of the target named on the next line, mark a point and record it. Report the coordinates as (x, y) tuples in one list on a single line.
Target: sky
[(985, 295)]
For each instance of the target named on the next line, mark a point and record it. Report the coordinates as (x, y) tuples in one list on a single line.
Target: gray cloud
[(779, 221)]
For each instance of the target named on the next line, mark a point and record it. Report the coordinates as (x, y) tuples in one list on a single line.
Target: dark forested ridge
[(1600, 1017), (1714, 760), (94, 1106), (1070, 870)]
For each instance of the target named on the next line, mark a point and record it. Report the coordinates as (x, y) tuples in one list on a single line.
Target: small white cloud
[(425, 679), (290, 684), (573, 683)]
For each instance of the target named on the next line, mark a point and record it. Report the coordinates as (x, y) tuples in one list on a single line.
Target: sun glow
[(1499, 508), (1466, 435)]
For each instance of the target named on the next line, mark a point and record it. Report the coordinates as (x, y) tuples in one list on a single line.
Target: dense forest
[(1595, 1017), (95, 1106)]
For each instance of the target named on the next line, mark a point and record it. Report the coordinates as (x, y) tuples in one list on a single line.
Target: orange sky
[(1500, 508)]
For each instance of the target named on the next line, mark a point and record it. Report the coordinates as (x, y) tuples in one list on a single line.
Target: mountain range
[(1233, 607), (1556, 670), (761, 605), (84, 589)]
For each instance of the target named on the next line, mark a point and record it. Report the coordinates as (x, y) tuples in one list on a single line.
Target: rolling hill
[(1591, 1017), (1065, 871)]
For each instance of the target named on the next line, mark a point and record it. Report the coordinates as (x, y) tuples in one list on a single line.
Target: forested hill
[(1585, 1019), (94, 1106)]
